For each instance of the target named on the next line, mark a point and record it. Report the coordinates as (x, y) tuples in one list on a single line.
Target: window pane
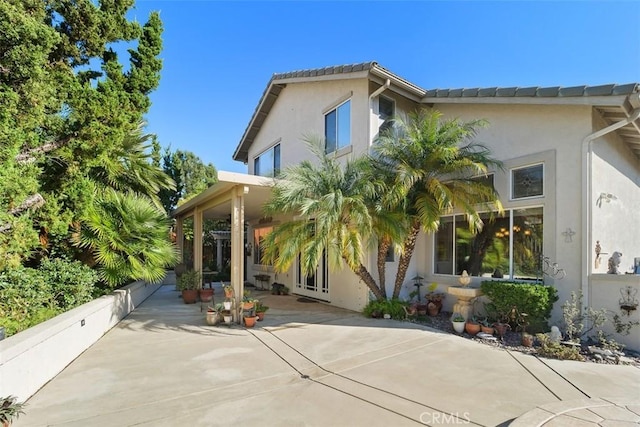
[(444, 247), (385, 108), (258, 237), (330, 131), (485, 253), (344, 125), (527, 242), (276, 160), (256, 166), (527, 182)]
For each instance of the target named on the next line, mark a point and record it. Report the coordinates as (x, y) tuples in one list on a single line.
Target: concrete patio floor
[(308, 364)]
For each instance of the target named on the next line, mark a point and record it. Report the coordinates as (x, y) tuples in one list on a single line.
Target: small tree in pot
[(190, 283), (10, 409)]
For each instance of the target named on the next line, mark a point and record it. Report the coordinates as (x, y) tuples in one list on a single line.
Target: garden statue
[(614, 263), (464, 279)]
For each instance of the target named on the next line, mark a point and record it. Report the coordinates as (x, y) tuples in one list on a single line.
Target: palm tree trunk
[(405, 258), (365, 276), (383, 247)]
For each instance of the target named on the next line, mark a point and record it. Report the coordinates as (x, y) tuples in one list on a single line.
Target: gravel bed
[(512, 341)]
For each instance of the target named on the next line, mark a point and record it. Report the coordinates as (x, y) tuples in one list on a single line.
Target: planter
[(213, 318), (458, 326), (277, 288), (227, 305), (247, 305), (260, 315), (190, 296), (206, 295), (250, 322), (228, 318), (432, 308), (228, 293), (501, 328), (472, 328), (487, 329), (527, 340), (422, 309)]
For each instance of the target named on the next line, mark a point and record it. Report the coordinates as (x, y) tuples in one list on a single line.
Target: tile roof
[(535, 91)]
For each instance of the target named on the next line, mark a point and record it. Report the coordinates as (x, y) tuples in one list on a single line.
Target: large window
[(337, 128), (268, 163), (527, 182), (258, 238), (509, 246)]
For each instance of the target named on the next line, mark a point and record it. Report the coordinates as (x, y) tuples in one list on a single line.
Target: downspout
[(381, 89), (587, 152)]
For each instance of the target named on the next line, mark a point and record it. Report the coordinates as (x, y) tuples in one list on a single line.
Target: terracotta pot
[(190, 296), (206, 295), (432, 308), (501, 328), (250, 322), (247, 305), (472, 328), (228, 294), (422, 309), (260, 315), (487, 329)]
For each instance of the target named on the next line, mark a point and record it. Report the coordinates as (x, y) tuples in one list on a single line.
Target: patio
[(312, 364)]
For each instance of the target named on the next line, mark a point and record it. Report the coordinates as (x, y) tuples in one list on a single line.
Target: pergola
[(237, 196)]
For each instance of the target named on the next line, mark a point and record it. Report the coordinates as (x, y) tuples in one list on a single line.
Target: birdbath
[(464, 295)]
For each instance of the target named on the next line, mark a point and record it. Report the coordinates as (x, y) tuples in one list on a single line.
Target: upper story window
[(337, 128), (527, 182), (268, 163), (386, 111)]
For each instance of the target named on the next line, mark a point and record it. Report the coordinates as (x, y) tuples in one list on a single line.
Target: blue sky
[(219, 56)]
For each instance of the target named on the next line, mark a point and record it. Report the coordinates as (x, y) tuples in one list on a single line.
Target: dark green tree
[(69, 117)]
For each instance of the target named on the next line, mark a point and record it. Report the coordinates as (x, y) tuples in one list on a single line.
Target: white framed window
[(507, 247), (337, 127), (527, 182), (268, 163)]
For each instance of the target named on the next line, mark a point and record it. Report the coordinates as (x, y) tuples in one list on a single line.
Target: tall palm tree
[(332, 203), (434, 163)]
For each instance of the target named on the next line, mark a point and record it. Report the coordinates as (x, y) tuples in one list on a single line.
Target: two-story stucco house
[(571, 179)]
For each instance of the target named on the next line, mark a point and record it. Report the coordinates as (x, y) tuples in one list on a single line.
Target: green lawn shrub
[(392, 307), (536, 300), (29, 296)]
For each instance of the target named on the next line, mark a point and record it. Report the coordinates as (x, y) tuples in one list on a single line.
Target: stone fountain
[(464, 295)]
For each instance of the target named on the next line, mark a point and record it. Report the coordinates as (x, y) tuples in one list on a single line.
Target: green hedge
[(393, 307), (535, 300), (29, 296)]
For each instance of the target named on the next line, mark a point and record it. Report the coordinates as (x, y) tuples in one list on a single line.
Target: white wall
[(31, 358)]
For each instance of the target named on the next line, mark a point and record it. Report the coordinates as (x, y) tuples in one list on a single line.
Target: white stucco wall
[(299, 111)]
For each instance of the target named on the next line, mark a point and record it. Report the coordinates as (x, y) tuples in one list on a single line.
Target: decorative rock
[(387, 316), (484, 336), (598, 357)]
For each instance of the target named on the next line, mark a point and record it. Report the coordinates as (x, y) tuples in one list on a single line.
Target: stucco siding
[(299, 112)]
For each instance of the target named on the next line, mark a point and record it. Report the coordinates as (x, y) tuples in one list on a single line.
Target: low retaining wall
[(605, 292), (31, 358)]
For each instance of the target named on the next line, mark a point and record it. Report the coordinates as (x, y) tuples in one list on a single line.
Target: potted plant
[(432, 309), (213, 314), (472, 326), (247, 301), (261, 309), (285, 290), (435, 297), (458, 322), (486, 326), (228, 291), (189, 284), (10, 409), (250, 320)]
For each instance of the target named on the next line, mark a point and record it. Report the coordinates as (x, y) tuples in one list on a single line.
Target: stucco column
[(197, 239), (180, 238), (237, 242), (219, 252)]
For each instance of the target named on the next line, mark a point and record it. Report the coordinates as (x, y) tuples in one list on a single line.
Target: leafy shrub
[(555, 350), (535, 300), (30, 296), (393, 307)]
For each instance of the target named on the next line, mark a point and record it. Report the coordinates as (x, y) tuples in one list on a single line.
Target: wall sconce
[(247, 249)]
